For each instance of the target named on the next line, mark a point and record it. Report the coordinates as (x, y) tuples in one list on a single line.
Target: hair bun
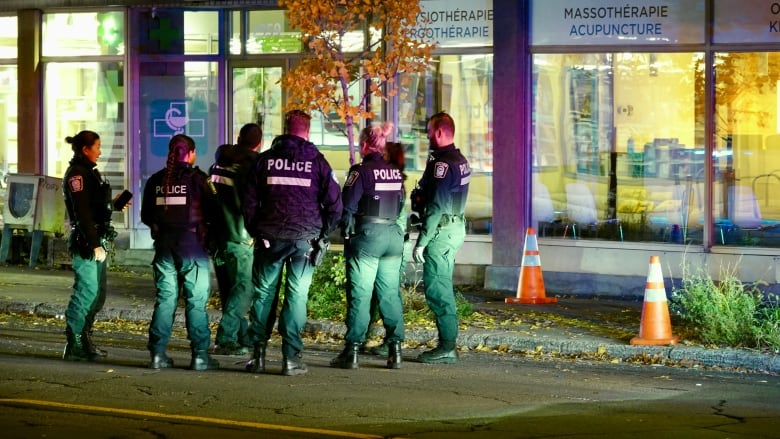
[(387, 129)]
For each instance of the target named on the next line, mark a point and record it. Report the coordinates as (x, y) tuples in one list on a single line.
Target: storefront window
[(175, 31), (268, 33), (86, 96), (618, 146), (88, 33), (462, 86), (8, 37), (8, 102), (177, 98), (8, 127), (201, 32), (746, 159)]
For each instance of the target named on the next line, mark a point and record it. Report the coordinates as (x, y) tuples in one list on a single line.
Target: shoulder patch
[(353, 176), (76, 183), (440, 169)]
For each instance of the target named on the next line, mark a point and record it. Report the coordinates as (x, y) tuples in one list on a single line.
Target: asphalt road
[(487, 394)]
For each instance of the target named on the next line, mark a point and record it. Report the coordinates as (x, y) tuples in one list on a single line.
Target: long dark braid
[(178, 149)]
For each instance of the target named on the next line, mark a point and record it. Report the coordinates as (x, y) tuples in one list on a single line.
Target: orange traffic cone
[(530, 286), (655, 328)]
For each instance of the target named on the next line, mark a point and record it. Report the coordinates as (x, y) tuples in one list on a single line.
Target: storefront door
[(257, 97)]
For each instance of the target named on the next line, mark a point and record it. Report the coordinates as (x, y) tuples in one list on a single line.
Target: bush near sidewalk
[(726, 312), (327, 295)]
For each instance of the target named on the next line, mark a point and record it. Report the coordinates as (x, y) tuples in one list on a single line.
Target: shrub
[(328, 292), (327, 295), (727, 312)]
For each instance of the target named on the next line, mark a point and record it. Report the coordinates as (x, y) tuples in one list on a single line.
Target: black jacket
[(88, 200), (373, 190), (292, 192), (445, 187), (185, 205), (228, 175)]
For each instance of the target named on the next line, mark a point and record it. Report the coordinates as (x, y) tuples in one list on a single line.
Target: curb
[(595, 349)]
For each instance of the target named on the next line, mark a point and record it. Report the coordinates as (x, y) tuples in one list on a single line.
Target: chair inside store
[(671, 216), (543, 215), (745, 212), (582, 213)]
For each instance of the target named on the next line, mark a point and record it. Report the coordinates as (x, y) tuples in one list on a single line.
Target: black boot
[(89, 345), (444, 353), (381, 350), (257, 363), (74, 349), (293, 365), (348, 358), (394, 355), (160, 361), (201, 360)]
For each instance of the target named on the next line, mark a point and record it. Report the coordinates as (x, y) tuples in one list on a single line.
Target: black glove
[(319, 248)]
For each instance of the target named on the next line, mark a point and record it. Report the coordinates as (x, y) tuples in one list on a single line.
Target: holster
[(319, 249)]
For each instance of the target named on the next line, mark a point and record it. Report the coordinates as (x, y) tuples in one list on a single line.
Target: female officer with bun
[(89, 205), (373, 197)]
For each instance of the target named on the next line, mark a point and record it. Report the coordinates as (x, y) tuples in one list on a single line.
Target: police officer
[(441, 200), (89, 205), (177, 206), (395, 156), (234, 245), (292, 203), (373, 197)]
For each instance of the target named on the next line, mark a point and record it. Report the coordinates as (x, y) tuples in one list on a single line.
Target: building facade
[(617, 130)]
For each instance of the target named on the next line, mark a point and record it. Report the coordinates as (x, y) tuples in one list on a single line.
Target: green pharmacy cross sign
[(165, 34)]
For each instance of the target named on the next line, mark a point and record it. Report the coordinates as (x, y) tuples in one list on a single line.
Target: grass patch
[(727, 312)]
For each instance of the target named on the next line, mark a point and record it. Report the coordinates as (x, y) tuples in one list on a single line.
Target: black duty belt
[(374, 220)]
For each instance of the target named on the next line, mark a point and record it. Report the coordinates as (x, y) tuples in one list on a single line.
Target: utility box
[(34, 203)]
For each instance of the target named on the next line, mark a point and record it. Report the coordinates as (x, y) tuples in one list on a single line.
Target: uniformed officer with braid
[(233, 244), (373, 197), (441, 201), (89, 205), (178, 206), (292, 203)]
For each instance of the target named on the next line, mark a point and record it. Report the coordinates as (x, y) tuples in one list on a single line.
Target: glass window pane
[(618, 146), (257, 97), (8, 37), (201, 32), (177, 97), (462, 86), (88, 33), (746, 160), (86, 96), (269, 33), (235, 33), (161, 32), (8, 126)]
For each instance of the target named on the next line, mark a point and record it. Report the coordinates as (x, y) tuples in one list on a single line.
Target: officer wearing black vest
[(291, 204), (233, 246), (178, 206), (89, 205), (373, 197), (440, 201)]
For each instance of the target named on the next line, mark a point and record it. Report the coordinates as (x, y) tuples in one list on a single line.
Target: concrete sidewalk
[(575, 326)]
